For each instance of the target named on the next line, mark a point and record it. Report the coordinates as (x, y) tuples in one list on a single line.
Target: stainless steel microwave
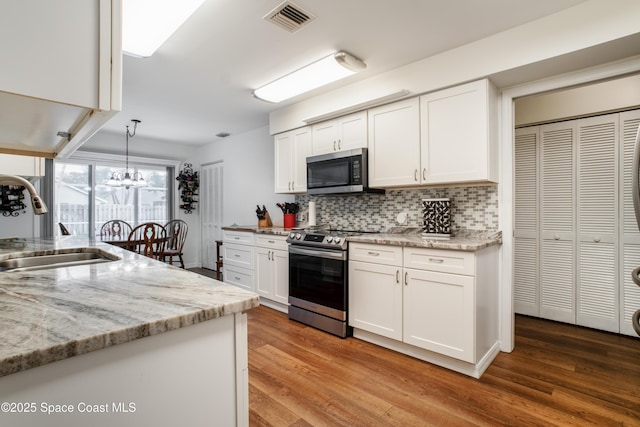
[(340, 172)]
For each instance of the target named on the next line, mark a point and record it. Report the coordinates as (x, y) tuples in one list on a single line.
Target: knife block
[(265, 222)]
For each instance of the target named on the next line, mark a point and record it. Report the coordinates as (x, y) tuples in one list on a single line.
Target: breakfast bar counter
[(153, 332)]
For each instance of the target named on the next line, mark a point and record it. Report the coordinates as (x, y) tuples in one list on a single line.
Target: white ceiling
[(199, 82)]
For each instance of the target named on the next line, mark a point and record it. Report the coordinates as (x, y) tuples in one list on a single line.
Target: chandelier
[(125, 178)]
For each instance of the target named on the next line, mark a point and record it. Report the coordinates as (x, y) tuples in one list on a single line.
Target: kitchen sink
[(31, 262)]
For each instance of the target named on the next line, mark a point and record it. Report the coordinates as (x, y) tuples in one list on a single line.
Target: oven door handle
[(320, 253)]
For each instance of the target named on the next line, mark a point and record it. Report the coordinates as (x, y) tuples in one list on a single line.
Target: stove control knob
[(298, 236), (329, 239), (337, 240), (292, 235)]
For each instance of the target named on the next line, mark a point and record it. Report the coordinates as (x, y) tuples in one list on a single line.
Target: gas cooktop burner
[(323, 237)]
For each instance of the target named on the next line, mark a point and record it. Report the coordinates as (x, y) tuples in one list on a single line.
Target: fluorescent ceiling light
[(147, 24), (324, 71)]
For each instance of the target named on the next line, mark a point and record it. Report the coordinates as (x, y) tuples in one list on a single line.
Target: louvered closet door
[(526, 283), (597, 202), (629, 234), (557, 216)]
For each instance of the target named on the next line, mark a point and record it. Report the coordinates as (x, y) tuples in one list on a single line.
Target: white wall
[(584, 100), (563, 42), (248, 178)]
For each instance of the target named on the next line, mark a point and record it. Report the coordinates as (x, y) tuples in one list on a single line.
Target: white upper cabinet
[(394, 144), (444, 137), (62, 72), (458, 134), (290, 152), (344, 133)]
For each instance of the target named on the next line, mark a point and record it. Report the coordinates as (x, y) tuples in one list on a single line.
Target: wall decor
[(188, 187), (11, 200)]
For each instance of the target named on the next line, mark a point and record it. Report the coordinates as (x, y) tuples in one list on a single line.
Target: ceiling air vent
[(289, 16)]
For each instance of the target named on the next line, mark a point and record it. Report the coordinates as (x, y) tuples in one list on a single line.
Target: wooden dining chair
[(64, 230), (115, 229), (176, 236), (148, 239)]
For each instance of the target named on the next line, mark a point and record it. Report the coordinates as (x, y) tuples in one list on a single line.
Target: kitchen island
[(131, 341)]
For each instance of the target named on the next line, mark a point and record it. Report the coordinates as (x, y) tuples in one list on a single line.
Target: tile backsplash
[(473, 208)]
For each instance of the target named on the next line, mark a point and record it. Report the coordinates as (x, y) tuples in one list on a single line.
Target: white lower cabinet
[(239, 258), (375, 298), (415, 299), (439, 313), (272, 271)]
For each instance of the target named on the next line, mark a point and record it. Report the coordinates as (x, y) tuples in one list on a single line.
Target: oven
[(318, 282)]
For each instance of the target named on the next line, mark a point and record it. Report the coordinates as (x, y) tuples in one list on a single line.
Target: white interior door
[(597, 204), (211, 211)]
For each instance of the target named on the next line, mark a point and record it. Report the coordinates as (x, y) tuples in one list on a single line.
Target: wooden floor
[(557, 375)]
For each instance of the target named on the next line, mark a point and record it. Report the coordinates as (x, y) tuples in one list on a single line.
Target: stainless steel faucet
[(39, 208)]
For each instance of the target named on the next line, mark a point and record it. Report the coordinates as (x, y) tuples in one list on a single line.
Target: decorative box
[(436, 215)]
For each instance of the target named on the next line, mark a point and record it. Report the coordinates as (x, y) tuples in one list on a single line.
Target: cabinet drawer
[(445, 261), (377, 254), (240, 277), (238, 255), (272, 242), (239, 237)]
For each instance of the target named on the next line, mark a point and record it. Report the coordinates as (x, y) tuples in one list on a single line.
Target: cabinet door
[(455, 137), (597, 201), (325, 137), (264, 273), (629, 233), (302, 150), (394, 144), (36, 43), (557, 217), (283, 155), (375, 298), (439, 313), (280, 263), (352, 131)]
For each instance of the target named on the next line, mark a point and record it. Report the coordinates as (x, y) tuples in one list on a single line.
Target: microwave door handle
[(636, 170)]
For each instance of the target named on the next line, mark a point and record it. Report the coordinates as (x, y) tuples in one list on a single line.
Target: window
[(83, 201)]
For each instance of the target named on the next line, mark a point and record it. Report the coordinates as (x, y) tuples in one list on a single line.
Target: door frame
[(506, 188)]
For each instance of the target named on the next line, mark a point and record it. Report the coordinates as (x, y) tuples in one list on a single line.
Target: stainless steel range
[(318, 279)]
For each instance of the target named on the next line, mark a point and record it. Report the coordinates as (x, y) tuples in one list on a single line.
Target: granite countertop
[(275, 231), (463, 240), (50, 315)]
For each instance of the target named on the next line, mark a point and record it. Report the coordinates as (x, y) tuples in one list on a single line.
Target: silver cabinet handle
[(397, 276), (415, 175), (373, 253), (272, 241), (424, 174), (406, 278), (236, 238), (269, 255), (339, 145), (237, 278), (334, 146), (237, 256), (436, 260)]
